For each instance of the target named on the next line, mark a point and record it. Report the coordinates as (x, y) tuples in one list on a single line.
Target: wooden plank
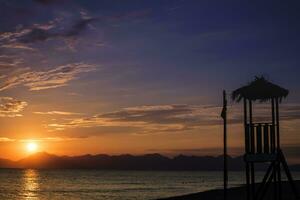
[(277, 124), (247, 148), (252, 149)]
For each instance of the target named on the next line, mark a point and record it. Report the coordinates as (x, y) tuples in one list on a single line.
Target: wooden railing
[(260, 138)]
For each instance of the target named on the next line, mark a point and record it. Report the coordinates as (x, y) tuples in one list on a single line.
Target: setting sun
[(31, 147)]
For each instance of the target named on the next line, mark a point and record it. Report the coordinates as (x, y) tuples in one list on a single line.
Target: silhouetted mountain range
[(44, 160)]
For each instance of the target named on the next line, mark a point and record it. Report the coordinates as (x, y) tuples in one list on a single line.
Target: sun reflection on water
[(30, 184)]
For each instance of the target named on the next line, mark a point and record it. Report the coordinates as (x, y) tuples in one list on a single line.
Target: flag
[(223, 113), (224, 110)]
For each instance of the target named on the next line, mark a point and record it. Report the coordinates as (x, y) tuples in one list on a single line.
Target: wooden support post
[(275, 186), (273, 111), (266, 139), (277, 125), (278, 149), (279, 186), (252, 150), (252, 138), (273, 135), (259, 144), (247, 148), (224, 115), (274, 138)]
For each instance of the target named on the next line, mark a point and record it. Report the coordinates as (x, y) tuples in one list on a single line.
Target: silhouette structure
[(262, 139), (225, 170)]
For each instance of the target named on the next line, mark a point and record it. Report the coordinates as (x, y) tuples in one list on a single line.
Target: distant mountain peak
[(40, 154), (153, 161)]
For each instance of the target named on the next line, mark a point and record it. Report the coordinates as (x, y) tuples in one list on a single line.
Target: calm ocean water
[(107, 185)]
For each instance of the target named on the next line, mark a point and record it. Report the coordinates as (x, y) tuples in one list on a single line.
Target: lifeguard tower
[(262, 138)]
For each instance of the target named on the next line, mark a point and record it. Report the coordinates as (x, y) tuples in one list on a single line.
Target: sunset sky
[(114, 77)]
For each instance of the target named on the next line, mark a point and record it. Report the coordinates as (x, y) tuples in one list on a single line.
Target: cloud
[(48, 139), (65, 27), (5, 139), (170, 118), (149, 119), (17, 46), (78, 27), (56, 113), (53, 78), (10, 107), (20, 44), (68, 25), (62, 24), (74, 94), (35, 35), (9, 61), (42, 32)]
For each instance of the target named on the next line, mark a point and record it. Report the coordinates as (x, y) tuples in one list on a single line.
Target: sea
[(31, 184)]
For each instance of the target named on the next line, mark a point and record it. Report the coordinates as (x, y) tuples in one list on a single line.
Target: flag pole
[(224, 116)]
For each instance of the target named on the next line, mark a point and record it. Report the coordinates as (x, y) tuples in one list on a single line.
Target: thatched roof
[(259, 89)]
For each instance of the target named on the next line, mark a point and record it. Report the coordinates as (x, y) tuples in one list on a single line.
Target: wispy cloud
[(55, 112), (43, 139), (17, 46), (148, 119), (10, 107), (5, 139), (29, 39), (170, 118), (65, 26), (9, 61), (47, 139), (53, 78), (42, 32)]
